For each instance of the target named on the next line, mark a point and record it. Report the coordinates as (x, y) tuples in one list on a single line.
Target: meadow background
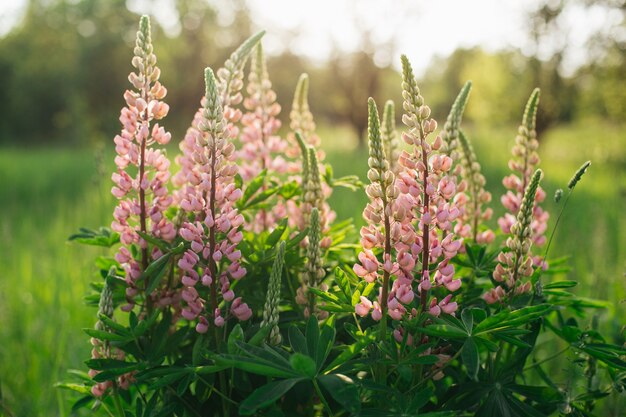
[(63, 66)]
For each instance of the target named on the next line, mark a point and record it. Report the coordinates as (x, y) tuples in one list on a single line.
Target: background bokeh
[(63, 69)]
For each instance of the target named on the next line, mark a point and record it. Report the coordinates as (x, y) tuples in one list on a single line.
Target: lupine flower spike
[(428, 189), (450, 132), (229, 89), (524, 161), (102, 348), (465, 168), (272, 300), (517, 263), (262, 148), (389, 135), (144, 196), (474, 197), (314, 271), (302, 124), (210, 196), (381, 192)]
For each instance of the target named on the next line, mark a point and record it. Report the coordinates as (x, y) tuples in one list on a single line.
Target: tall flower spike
[(388, 228), (474, 198), (428, 190), (262, 148), (302, 123), (390, 136), (229, 89), (102, 348), (300, 115), (144, 196), (314, 270), (209, 199), (450, 133), (272, 299), (524, 161), (517, 263)]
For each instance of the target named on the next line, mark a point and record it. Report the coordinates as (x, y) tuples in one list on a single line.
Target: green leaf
[(343, 283), (261, 197), (154, 240), (255, 366), (351, 351), (312, 335), (102, 237), (253, 186), (297, 340), (560, 284), (155, 271), (276, 234), (104, 335), (445, 331), (471, 358), (326, 341), (236, 335), (260, 336), (113, 325), (303, 364), (343, 390), (468, 320), (506, 319), (81, 388), (110, 367), (266, 395), (420, 399)]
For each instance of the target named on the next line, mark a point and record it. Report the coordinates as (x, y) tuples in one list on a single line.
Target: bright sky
[(421, 28)]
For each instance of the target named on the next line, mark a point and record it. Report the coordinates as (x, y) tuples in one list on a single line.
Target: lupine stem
[(425, 229)]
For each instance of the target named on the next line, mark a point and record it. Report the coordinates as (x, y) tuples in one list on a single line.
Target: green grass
[(46, 195)]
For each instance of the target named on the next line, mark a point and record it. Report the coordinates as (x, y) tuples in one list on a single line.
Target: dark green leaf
[(266, 395), (236, 335), (471, 358), (445, 331), (276, 234), (297, 340), (343, 390)]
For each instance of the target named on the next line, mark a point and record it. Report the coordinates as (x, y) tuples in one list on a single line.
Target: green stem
[(545, 255), (549, 358), (119, 409), (322, 399)]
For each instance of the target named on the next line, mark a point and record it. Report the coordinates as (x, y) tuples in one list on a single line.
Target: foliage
[(166, 352)]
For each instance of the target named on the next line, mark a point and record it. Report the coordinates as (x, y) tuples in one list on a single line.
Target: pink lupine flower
[(306, 158), (517, 263), (209, 198), (262, 147), (144, 197), (524, 162), (428, 190)]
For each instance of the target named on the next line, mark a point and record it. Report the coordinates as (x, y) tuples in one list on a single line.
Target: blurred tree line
[(63, 69)]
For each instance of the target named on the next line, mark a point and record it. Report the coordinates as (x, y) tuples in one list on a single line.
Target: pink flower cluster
[(143, 197), (302, 161), (471, 200), (524, 162), (420, 219), (208, 198), (411, 217), (262, 148)]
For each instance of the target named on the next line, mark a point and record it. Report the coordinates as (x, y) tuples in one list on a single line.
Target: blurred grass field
[(46, 194)]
